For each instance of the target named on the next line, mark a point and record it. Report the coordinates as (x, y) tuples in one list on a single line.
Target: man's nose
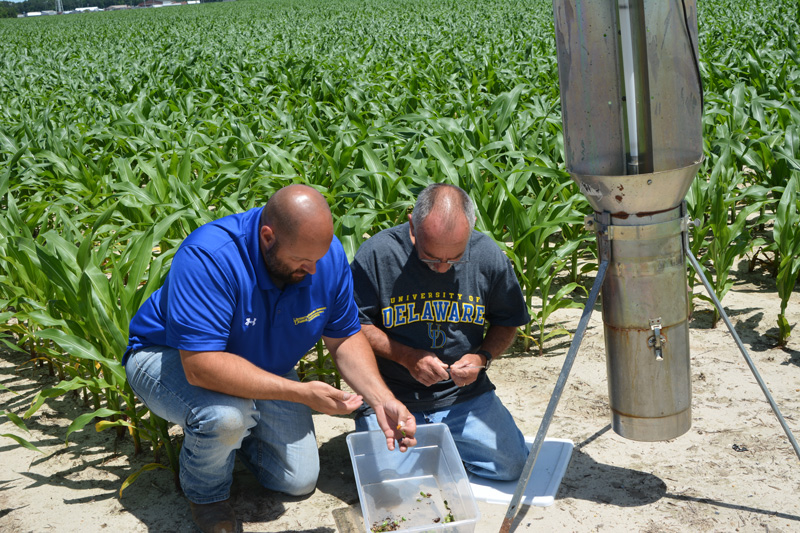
[(441, 266)]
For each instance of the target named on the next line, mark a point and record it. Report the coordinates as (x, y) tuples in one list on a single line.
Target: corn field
[(122, 132)]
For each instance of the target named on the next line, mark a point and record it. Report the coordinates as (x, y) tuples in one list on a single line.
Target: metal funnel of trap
[(631, 103)]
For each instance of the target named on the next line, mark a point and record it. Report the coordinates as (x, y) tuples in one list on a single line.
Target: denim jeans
[(486, 436), (275, 439)]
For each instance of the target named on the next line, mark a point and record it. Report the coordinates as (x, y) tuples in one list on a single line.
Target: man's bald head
[(441, 225), (441, 208), (298, 211)]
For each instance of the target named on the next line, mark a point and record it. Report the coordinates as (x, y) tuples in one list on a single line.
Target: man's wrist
[(487, 355)]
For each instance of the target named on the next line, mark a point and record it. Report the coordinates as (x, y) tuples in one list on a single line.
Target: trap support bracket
[(737, 340), (604, 251)]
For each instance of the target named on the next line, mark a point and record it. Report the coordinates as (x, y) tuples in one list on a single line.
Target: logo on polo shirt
[(310, 316), (250, 321)]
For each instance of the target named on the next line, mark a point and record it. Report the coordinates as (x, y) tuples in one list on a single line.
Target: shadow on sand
[(586, 479)]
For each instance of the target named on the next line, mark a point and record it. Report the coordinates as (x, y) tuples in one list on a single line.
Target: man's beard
[(279, 271)]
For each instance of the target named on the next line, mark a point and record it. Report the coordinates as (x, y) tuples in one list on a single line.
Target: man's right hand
[(330, 400), (428, 369)]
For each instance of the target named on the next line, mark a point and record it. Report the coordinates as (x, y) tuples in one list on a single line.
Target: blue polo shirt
[(219, 296)]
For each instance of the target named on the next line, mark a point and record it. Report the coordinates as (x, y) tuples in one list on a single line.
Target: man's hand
[(356, 362), (397, 423), (428, 369), (330, 400), (466, 370)]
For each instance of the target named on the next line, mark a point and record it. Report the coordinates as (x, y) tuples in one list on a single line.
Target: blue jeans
[(275, 439), (487, 438)]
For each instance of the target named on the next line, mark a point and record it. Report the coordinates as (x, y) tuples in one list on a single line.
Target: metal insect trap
[(631, 103), (631, 108)]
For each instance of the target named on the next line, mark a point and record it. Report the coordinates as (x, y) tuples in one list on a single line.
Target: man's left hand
[(466, 370)]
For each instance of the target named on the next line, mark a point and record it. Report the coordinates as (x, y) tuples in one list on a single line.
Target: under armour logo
[(249, 321)]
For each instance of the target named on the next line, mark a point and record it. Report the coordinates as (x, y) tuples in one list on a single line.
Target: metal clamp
[(588, 222), (657, 340), (600, 223), (688, 223)]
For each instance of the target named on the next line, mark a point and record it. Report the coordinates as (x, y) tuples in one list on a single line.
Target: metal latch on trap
[(657, 340)]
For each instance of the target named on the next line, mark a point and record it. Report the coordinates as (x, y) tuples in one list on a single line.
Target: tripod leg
[(718, 305), (527, 470)]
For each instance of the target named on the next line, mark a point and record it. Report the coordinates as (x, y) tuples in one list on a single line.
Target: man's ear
[(267, 237), (411, 230)]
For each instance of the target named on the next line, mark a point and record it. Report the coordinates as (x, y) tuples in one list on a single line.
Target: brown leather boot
[(215, 517)]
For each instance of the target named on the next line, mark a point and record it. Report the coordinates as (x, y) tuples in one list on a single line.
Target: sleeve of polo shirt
[(201, 302), (344, 315)]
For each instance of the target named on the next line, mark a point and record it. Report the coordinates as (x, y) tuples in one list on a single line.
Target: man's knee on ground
[(300, 482), (227, 424), (511, 468)]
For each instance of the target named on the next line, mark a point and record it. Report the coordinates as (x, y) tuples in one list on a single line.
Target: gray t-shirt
[(444, 313)]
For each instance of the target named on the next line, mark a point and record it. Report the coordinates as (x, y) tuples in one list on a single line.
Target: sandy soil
[(735, 470)]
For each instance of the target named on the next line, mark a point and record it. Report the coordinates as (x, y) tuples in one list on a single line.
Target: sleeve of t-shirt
[(506, 305), (344, 318), (364, 287), (201, 302)]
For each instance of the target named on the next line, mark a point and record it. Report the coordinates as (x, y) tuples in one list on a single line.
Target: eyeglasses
[(437, 261)]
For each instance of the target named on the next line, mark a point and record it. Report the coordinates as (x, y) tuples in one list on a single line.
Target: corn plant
[(21, 425), (786, 232), (539, 256), (89, 307), (728, 240)]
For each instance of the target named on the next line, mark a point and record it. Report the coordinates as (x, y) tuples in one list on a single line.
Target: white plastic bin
[(414, 491)]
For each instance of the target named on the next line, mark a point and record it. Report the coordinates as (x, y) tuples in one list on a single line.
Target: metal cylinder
[(631, 100), (646, 323)]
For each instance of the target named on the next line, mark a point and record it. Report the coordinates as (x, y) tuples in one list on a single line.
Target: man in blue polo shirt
[(214, 351)]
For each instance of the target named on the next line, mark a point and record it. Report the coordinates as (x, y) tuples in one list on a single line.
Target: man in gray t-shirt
[(426, 292)]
